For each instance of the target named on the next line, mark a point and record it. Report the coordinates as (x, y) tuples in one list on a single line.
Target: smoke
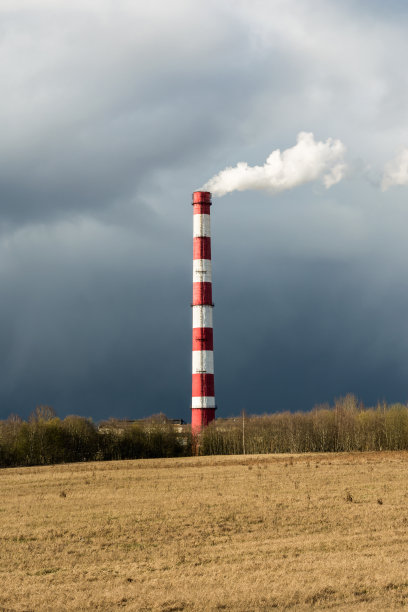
[(307, 161), (396, 170)]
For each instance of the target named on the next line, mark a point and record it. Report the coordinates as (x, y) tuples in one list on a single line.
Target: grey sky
[(111, 114)]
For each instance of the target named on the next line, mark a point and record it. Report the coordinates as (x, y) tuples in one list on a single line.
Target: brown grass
[(248, 533)]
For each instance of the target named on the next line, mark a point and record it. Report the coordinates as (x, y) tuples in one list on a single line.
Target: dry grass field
[(209, 533)]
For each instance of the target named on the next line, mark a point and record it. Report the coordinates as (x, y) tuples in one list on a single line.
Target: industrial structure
[(203, 399)]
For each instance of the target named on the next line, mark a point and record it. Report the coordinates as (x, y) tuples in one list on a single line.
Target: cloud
[(104, 136), (307, 161), (87, 121), (396, 170)]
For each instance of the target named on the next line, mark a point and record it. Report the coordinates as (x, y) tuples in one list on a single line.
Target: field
[(209, 533)]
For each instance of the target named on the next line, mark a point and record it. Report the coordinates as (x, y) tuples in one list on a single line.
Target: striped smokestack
[(203, 400)]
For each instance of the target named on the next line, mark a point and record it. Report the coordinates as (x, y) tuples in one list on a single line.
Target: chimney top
[(201, 197)]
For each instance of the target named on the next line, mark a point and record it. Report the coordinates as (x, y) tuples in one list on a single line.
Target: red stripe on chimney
[(203, 339), (203, 384), (202, 294), (202, 248)]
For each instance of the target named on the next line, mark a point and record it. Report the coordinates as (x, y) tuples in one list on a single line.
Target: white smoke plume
[(396, 170), (307, 161)]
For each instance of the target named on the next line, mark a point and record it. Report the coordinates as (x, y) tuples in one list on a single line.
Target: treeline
[(345, 426), (46, 439)]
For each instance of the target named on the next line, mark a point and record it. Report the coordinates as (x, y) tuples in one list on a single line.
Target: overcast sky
[(112, 113)]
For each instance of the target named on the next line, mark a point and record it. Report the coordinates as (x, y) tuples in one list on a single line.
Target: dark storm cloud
[(100, 101), (82, 321), (312, 336), (111, 114)]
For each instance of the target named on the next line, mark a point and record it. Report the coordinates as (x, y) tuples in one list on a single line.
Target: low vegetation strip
[(346, 426), (259, 532), (46, 439)]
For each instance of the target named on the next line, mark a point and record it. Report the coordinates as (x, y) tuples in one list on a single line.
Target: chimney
[(203, 400)]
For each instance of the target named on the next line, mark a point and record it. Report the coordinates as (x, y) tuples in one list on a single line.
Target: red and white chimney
[(203, 399)]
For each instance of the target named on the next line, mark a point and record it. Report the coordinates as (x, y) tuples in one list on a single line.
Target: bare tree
[(42, 412)]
